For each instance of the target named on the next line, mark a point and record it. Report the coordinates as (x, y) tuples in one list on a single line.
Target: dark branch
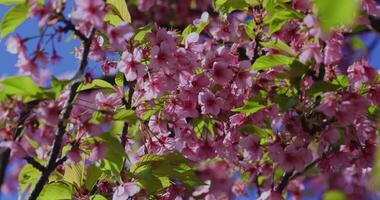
[(23, 116), (284, 182), (34, 163), (127, 105), (56, 150), (4, 158)]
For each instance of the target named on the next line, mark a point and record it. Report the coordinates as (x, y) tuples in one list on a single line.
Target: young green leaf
[(269, 61), (56, 191), (95, 84), (125, 115), (249, 107), (13, 18), (122, 9), (279, 45), (340, 13), (10, 2), (28, 177)]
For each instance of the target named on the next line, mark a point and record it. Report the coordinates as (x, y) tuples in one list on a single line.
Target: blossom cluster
[(226, 102)]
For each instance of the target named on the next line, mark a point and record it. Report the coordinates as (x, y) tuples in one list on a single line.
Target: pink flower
[(333, 50), (145, 5), (107, 101), (209, 102), (237, 120), (313, 25), (187, 105), (154, 88), (131, 65), (291, 158), (360, 72), (49, 112), (15, 45), (311, 50), (370, 7), (98, 152), (91, 11), (119, 35), (330, 135), (239, 188), (26, 66), (125, 191), (221, 74), (55, 58), (74, 154), (251, 147), (41, 12), (41, 57), (302, 5), (163, 58), (156, 125)]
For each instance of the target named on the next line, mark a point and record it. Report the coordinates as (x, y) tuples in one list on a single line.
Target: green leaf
[(228, 6), (284, 101), (95, 84), (339, 13), (112, 19), (141, 33), (10, 2), (341, 80), (97, 197), (57, 86), (278, 13), (334, 195), (279, 45), (161, 169), (249, 29), (322, 86), (74, 174), (115, 155), (125, 115), (56, 191), (92, 175), (357, 43), (375, 174), (267, 62), (249, 107), (262, 133), (13, 18), (152, 184), (122, 9), (21, 86), (198, 125), (28, 177), (119, 79)]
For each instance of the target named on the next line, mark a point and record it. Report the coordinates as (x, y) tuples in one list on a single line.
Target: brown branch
[(23, 116), (288, 176), (284, 182), (34, 163), (60, 131), (4, 159), (127, 105)]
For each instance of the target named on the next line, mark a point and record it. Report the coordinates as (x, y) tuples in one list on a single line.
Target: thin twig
[(34, 163), (56, 150), (127, 105)]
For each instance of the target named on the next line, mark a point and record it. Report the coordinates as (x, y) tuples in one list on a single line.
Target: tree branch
[(4, 159), (284, 182), (34, 163), (127, 104), (23, 116), (56, 150)]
